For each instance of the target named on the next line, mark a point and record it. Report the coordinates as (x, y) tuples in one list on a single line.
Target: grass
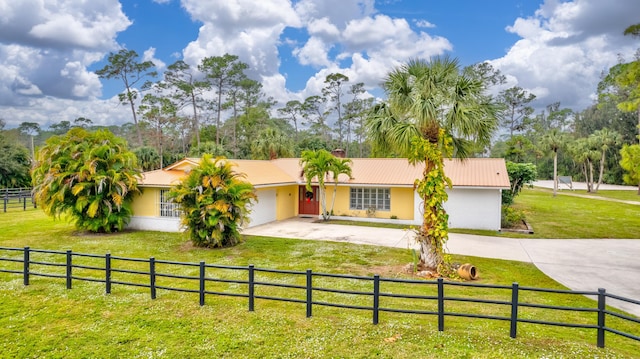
[(615, 194), (575, 217), (46, 320)]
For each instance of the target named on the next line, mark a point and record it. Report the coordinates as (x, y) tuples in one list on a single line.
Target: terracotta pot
[(468, 271)]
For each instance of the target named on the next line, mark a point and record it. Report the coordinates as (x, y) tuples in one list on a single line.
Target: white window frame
[(167, 207), (363, 198)]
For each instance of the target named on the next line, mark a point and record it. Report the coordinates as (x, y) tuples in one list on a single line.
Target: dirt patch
[(186, 247)]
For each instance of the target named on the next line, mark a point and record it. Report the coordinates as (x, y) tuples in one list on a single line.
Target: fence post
[(25, 266), (24, 203), (5, 199), (69, 267), (309, 293), (251, 288), (107, 272), (601, 316), (152, 277), (376, 298), (514, 310), (440, 304), (202, 287)]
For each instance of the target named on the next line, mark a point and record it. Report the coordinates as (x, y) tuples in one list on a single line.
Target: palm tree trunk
[(430, 256), (601, 172), (555, 173), (323, 202), (333, 200), (590, 180)]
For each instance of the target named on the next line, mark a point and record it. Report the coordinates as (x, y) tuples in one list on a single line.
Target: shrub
[(511, 216), (214, 201), (89, 176)]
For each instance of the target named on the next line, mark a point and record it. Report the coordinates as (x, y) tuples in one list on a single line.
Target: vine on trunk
[(434, 232)]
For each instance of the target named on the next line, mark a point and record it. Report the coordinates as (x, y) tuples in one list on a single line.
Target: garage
[(265, 210)]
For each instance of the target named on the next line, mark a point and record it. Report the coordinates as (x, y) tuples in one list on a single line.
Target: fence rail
[(145, 273), (16, 198)]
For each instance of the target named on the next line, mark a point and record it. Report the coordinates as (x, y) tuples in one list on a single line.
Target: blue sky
[(477, 33), (50, 50)]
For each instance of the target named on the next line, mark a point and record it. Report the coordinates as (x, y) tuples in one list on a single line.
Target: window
[(167, 208), (365, 198)]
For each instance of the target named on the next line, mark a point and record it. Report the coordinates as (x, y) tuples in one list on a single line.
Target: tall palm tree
[(339, 166), (554, 140), (605, 139), (318, 164), (433, 110)]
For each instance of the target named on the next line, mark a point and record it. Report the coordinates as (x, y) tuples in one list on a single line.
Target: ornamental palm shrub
[(214, 200), (90, 177)]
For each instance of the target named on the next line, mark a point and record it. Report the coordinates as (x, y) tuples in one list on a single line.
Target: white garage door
[(265, 210)]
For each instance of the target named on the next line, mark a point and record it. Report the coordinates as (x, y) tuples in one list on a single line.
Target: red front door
[(308, 200)]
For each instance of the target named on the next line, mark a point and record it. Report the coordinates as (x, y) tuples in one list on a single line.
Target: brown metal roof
[(472, 172)]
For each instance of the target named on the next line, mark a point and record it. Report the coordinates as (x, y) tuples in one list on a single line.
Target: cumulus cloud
[(149, 55), (247, 28), (46, 47), (564, 48)]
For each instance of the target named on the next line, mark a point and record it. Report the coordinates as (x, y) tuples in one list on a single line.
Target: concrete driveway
[(579, 264)]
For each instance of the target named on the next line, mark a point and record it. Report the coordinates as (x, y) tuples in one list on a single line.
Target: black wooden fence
[(144, 273), (16, 198)]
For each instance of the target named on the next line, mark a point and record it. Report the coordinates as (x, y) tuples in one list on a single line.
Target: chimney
[(339, 152)]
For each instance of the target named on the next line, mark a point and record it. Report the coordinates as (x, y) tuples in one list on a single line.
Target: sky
[(50, 49)]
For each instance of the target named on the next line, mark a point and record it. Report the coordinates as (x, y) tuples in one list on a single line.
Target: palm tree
[(271, 144), (318, 164), (214, 201), (605, 139), (433, 110), (339, 166), (554, 140)]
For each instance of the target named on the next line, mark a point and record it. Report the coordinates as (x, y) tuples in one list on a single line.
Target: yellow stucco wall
[(286, 202), (401, 204), (147, 203)]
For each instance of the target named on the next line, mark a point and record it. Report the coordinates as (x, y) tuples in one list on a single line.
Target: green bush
[(214, 200), (511, 216), (89, 176)]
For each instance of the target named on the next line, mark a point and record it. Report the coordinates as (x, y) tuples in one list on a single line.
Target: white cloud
[(47, 111), (315, 53), (336, 11), (566, 46), (45, 49), (245, 28), (424, 24), (323, 28), (149, 55), (64, 24)]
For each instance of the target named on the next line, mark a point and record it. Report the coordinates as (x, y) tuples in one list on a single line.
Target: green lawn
[(47, 320), (574, 217), (615, 194)]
